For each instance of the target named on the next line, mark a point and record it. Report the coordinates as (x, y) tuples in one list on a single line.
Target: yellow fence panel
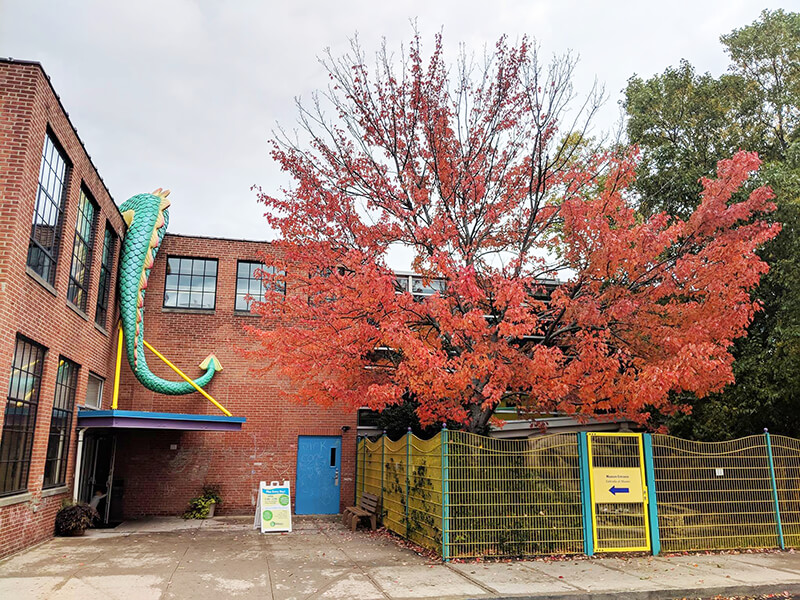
[(372, 479), (394, 496), (513, 498), (425, 492), (786, 457), (714, 495)]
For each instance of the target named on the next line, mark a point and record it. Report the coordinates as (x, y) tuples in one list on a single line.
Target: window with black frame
[(250, 285), (55, 465), (19, 420), (46, 227), (190, 283), (104, 287), (78, 288)]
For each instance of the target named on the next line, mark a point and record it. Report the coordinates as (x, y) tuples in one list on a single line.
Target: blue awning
[(136, 419)]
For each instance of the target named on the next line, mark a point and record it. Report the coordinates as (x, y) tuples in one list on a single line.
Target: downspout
[(76, 484)]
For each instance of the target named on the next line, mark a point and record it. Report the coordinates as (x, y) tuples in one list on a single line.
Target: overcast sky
[(184, 94)]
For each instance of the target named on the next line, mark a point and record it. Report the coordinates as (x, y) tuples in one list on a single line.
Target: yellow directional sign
[(617, 485)]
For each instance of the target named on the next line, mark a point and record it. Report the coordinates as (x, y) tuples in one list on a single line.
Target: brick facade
[(29, 306), (156, 471), (158, 480)]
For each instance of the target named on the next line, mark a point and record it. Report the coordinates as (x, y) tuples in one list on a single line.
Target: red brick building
[(161, 470), (57, 298), (60, 235)]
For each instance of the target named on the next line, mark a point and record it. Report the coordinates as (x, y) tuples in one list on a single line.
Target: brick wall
[(157, 479), (29, 306), (160, 480)]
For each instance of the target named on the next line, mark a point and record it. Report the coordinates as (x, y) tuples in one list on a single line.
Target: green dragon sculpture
[(147, 218)]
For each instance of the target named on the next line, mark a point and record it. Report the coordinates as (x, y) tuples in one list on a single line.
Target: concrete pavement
[(225, 558)]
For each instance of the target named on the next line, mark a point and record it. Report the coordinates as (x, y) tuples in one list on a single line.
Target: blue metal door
[(319, 461)]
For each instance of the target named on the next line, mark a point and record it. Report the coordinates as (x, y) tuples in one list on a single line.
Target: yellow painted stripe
[(187, 379), (117, 368)]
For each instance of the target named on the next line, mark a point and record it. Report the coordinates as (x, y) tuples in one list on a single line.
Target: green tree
[(684, 122), (767, 54)]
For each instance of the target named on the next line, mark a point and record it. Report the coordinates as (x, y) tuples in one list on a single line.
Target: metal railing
[(714, 495), (465, 496)]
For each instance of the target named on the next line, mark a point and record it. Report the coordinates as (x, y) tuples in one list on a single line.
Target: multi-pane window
[(46, 228), (104, 288), (19, 420), (82, 252), (191, 283), (249, 283), (94, 391), (419, 287), (55, 463), (368, 417)]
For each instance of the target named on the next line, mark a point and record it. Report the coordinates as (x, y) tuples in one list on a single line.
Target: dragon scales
[(147, 218)]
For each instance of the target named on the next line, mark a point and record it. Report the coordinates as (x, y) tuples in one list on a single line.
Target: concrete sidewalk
[(225, 558)]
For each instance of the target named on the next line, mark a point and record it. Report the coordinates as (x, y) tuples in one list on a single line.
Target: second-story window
[(82, 252), (104, 287), (190, 283), (46, 227), (249, 284), (419, 287)]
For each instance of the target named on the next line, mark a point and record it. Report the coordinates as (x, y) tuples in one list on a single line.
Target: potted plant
[(73, 519), (204, 505)]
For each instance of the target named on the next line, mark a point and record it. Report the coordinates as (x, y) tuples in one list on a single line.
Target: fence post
[(445, 494), (355, 483), (650, 485), (383, 465), (586, 494), (364, 467), (774, 490), (408, 460)]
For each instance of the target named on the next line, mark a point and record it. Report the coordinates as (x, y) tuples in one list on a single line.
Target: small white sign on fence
[(274, 507)]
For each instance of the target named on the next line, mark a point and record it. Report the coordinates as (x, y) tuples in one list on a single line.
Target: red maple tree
[(466, 168)]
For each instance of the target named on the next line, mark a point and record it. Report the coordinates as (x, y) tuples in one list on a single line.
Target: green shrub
[(199, 506)]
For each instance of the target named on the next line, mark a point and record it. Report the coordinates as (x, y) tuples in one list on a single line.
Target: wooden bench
[(368, 507)]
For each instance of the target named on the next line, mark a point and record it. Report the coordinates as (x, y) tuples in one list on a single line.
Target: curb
[(667, 594)]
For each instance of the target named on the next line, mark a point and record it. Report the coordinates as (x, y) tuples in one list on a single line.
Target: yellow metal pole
[(115, 398), (187, 379)]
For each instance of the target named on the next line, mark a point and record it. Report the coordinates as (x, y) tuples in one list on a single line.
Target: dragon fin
[(163, 195)]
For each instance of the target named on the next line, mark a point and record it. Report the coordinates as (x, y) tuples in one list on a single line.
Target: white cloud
[(183, 94)]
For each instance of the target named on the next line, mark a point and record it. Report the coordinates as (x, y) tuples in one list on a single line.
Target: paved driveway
[(225, 558)]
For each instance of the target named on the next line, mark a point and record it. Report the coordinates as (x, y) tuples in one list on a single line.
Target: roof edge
[(36, 63), (214, 237)]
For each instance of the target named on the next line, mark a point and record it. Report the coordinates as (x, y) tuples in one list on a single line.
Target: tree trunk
[(479, 419)]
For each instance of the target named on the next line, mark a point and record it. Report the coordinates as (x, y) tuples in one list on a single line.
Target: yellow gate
[(619, 495)]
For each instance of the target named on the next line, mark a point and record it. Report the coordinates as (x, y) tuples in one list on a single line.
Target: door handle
[(336, 478)]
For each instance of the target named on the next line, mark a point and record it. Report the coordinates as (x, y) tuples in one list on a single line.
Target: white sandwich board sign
[(274, 507)]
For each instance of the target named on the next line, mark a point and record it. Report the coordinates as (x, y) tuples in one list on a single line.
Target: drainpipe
[(76, 483)]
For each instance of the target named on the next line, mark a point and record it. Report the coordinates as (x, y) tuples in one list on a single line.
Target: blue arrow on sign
[(615, 490)]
